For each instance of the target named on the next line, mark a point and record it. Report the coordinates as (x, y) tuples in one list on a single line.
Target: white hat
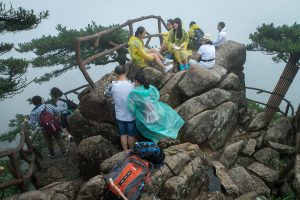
[(207, 37)]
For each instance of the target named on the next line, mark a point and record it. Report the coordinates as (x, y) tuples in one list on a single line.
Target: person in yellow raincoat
[(195, 36), (141, 55), (165, 44), (178, 41)]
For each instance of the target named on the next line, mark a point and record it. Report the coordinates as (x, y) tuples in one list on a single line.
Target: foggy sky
[(241, 18)]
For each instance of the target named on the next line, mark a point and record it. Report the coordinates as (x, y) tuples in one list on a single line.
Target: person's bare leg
[(124, 142), (131, 141), (151, 51), (157, 60)]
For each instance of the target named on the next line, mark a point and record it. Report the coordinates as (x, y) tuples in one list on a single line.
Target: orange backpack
[(129, 179)]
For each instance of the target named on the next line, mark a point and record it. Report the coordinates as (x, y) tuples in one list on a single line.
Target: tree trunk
[(281, 88)]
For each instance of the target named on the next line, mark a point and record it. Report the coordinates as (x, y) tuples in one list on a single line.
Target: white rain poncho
[(154, 119)]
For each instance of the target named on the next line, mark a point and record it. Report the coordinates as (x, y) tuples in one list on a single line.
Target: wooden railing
[(14, 163), (96, 38)]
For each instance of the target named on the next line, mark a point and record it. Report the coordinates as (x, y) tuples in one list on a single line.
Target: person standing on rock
[(221, 35), (47, 113), (120, 90), (155, 120)]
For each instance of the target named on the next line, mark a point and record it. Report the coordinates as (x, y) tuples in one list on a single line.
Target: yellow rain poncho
[(154, 119), (182, 53), (137, 52), (192, 29)]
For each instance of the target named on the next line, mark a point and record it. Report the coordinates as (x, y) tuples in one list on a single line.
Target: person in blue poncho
[(154, 119)]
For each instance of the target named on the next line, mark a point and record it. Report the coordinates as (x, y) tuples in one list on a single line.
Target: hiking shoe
[(181, 67), (168, 68), (166, 61), (51, 155), (187, 66), (65, 152)]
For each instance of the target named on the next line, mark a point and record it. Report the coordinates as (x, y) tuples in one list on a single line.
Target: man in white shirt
[(120, 90), (222, 34), (205, 57)]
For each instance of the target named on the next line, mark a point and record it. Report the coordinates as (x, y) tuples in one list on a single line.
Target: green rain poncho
[(154, 119)]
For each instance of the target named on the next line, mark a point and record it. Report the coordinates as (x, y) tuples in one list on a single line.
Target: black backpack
[(151, 152), (71, 105), (196, 40)]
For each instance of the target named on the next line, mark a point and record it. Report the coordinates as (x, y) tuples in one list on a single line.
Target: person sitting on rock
[(141, 55), (56, 95), (120, 90), (205, 57), (34, 119), (165, 44), (178, 41), (221, 35), (154, 119)]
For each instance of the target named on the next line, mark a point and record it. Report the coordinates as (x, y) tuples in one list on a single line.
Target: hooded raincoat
[(137, 52), (154, 119), (182, 53)]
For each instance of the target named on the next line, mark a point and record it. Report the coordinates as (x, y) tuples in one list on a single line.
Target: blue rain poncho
[(154, 119)]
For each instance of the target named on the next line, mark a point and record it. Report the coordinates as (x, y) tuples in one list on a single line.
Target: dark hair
[(222, 24), (36, 100), (140, 78), (179, 29), (119, 70), (192, 23), (171, 21), (139, 31), (56, 92)]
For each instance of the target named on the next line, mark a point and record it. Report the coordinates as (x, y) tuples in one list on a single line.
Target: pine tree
[(283, 42), (12, 70)]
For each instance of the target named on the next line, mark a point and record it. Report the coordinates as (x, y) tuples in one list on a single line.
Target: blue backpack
[(150, 152)]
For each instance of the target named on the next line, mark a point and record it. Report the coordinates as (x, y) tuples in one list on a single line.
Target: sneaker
[(166, 61), (51, 155), (187, 66), (168, 68), (65, 152), (181, 67)]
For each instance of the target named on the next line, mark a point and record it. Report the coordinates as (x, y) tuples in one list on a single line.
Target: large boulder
[(199, 79), (82, 128), (93, 189), (278, 131), (91, 152), (230, 55), (170, 93), (94, 105), (206, 101), (212, 125)]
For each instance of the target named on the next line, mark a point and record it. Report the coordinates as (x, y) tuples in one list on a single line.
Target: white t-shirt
[(221, 37), (120, 91), (207, 52)]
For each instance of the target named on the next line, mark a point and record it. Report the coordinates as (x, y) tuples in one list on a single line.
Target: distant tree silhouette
[(283, 42), (13, 69)]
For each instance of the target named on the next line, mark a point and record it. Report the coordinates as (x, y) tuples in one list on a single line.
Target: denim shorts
[(127, 128)]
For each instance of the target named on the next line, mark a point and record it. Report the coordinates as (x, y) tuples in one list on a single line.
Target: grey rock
[(264, 172), (230, 82), (91, 152), (278, 131), (230, 154), (259, 122), (250, 147), (230, 187), (281, 148), (93, 189), (268, 157)]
